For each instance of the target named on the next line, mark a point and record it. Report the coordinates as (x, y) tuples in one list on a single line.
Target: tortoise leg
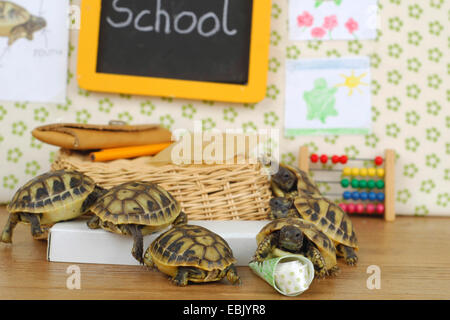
[(138, 245), (313, 254), (9, 227), (185, 273), (94, 222), (348, 253), (181, 219), (232, 275), (35, 222), (264, 248), (148, 261)]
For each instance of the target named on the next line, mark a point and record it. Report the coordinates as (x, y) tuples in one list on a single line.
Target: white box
[(74, 242)]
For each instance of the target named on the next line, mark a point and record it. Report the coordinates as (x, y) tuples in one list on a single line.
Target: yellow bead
[(371, 172), (347, 171), (380, 172), (355, 171), (363, 172)]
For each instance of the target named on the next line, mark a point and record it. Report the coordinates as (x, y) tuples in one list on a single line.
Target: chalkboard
[(214, 50), (201, 40)]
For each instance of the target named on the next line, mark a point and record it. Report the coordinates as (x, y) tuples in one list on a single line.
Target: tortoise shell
[(320, 239), (194, 246), (51, 191), (142, 203), (328, 217)]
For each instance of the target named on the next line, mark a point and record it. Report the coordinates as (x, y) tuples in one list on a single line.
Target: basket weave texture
[(206, 192)]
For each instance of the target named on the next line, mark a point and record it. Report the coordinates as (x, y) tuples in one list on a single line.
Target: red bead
[(380, 208), (314, 158), (360, 208), (378, 161), (370, 208), (335, 159), (343, 206), (343, 159), (351, 208), (323, 158)]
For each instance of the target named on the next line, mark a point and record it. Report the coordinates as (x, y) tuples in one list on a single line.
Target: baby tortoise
[(49, 198), (192, 253), (293, 235), (136, 209), (311, 206)]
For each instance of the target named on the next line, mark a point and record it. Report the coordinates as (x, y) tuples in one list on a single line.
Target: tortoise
[(293, 235), (192, 253), (49, 198), (136, 209), (16, 22), (310, 205)]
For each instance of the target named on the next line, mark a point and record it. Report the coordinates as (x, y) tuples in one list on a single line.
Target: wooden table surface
[(413, 255)]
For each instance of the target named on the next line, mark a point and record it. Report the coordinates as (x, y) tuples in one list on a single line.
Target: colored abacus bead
[(355, 195), (372, 196), (343, 159), (345, 183), (314, 158), (347, 195), (351, 208), (370, 184), (378, 161), (380, 172), (360, 208), (343, 206), (371, 172), (380, 184), (362, 184), (380, 196), (324, 158), (355, 183), (355, 172), (335, 159), (363, 172), (363, 196), (370, 208), (379, 208), (347, 171)]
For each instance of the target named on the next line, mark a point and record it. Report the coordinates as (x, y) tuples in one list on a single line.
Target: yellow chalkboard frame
[(252, 92)]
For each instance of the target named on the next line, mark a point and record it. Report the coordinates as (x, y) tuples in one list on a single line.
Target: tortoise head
[(291, 238), (285, 179), (279, 207), (36, 23)]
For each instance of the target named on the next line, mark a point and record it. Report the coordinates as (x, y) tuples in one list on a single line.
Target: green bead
[(380, 184), (362, 184), (355, 183), (345, 183), (370, 184)]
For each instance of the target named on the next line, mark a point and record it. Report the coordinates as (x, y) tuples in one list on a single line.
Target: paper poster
[(33, 50), (328, 96), (332, 19)]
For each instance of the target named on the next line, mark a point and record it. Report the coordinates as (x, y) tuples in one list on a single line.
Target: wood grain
[(412, 253)]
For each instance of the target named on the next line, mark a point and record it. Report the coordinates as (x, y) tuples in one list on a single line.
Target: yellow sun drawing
[(353, 82)]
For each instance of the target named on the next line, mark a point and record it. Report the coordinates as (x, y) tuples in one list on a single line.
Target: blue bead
[(347, 195), (363, 196), (380, 196), (355, 195), (372, 196)]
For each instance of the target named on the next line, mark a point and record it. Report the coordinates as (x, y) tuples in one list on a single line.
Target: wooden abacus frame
[(389, 178)]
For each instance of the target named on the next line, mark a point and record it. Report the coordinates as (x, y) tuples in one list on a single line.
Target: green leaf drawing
[(320, 101), (319, 2)]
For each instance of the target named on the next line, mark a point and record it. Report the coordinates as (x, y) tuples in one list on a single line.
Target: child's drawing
[(318, 101), (332, 19), (16, 22), (34, 39)]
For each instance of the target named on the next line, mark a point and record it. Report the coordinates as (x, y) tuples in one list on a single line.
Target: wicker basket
[(206, 192)]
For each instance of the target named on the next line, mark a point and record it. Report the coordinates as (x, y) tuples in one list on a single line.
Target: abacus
[(373, 187)]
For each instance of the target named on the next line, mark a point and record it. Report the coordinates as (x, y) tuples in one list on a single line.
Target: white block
[(74, 242)]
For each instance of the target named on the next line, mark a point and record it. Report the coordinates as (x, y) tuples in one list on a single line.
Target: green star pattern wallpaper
[(410, 68)]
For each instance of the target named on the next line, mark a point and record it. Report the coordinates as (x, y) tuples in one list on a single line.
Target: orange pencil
[(128, 152)]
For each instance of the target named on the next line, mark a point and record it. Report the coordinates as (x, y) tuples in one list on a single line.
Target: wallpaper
[(410, 69)]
